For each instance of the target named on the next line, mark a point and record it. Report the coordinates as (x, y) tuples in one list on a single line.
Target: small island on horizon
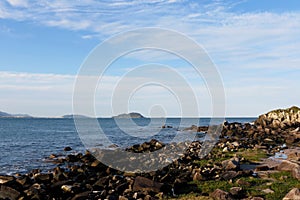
[(71, 116), (8, 115), (129, 115), (134, 115)]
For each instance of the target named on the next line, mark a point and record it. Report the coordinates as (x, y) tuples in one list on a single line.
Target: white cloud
[(51, 94), (251, 46), (18, 3)]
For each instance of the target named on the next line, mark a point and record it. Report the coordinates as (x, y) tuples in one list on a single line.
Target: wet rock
[(67, 149), (121, 188), (102, 182), (195, 128), (24, 181), (67, 188), (148, 197), (293, 194), (290, 139), (262, 168), (59, 184), (34, 189), (182, 186), (197, 177), (5, 179), (151, 146), (52, 156), (166, 126), (294, 156), (42, 177), (82, 196), (220, 195), (95, 163), (123, 198), (192, 128), (257, 198), (237, 192), (231, 164), (225, 150), (268, 191), (145, 184), (8, 193), (72, 158), (228, 175), (243, 183)]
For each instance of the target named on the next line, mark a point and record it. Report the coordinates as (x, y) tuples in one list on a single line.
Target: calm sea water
[(25, 143)]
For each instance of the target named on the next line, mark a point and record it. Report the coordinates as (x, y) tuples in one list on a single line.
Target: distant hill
[(129, 115), (7, 115), (71, 116), (4, 114)]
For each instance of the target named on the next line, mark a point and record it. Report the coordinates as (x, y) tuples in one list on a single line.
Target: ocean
[(26, 143)]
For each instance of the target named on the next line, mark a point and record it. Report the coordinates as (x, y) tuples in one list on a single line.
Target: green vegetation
[(192, 197), (253, 155), (210, 186), (249, 155), (280, 182)]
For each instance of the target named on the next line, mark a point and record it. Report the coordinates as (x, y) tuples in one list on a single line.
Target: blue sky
[(254, 44)]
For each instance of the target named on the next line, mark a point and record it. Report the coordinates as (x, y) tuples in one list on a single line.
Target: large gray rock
[(231, 164), (8, 193), (220, 195), (294, 194), (5, 179), (289, 166), (145, 184), (280, 118)]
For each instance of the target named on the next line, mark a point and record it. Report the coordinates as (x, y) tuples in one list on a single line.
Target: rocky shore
[(253, 161)]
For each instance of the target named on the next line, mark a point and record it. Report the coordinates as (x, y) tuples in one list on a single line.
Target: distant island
[(129, 115), (8, 115), (71, 116)]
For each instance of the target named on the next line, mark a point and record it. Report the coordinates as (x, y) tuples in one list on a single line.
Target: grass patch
[(192, 197), (210, 186), (253, 155), (281, 186), (250, 155)]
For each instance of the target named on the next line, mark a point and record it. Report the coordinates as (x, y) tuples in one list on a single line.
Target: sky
[(254, 45)]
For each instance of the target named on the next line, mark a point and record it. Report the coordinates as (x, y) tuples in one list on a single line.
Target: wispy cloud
[(237, 38), (251, 49), (52, 94), (18, 3)]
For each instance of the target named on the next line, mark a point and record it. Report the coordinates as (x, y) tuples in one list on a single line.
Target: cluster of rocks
[(281, 118), (284, 122), (263, 133), (82, 176), (195, 128), (151, 146)]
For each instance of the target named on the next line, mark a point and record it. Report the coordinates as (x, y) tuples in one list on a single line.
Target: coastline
[(249, 161)]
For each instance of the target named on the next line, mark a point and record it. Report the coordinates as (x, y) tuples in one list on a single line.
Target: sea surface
[(27, 143)]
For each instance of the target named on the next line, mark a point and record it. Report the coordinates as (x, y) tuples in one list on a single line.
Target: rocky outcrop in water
[(281, 118)]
